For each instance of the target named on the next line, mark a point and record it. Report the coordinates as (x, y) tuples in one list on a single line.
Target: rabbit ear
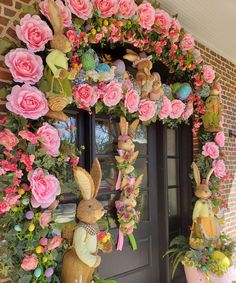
[(96, 174), (196, 174), (133, 127), (123, 126), (85, 182), (209, 174), (55, 17), (131, 55)]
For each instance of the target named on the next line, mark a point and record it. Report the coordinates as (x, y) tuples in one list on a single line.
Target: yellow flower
[(38, 250), (31, 227), (106, 23), (21, 191)]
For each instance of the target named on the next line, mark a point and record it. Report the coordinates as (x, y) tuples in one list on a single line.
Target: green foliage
[(5, 45)]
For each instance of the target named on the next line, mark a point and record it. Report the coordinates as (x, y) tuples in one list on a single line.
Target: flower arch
[(55, 69)]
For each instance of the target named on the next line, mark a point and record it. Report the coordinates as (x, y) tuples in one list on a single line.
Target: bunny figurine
[(81, 259)]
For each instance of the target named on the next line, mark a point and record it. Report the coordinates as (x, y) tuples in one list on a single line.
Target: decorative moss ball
[(88, 61)]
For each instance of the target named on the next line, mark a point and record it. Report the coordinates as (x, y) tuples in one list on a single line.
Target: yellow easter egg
[(38, 250), (106, 23), (21, 191), (93, 31), (31, 227)]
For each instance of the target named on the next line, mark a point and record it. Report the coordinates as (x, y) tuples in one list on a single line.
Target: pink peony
[(25, 66), (113, 93), (146, 109), (64, 10), (107, 8), (8, 139), (177, 109), (208, 74), (187, 42), (220, 139), (50, 139), (166, 108), (220, 170), (162, 21), (127, 8), (4, 207), (27, 101), (45, 218), (44, 188), (29, 136), (85, 95), (30, 262), (174, 30), (81, 8), (54, 243), (210, 149), (146, 14), (188, 111), (132, 101), (34, 32)]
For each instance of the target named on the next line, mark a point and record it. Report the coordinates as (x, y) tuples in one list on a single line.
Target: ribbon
[(120, 241), (132, 241), (118, 182)]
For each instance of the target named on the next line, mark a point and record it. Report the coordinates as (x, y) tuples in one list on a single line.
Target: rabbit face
[(203, 191), (127, 145), (90, 211)]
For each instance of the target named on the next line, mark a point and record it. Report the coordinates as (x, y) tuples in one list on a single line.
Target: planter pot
[(195, 276)]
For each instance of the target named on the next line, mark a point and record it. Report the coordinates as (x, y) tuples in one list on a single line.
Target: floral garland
[(34, 159)]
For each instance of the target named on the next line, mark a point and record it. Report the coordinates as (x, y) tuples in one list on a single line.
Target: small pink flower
[(28, 160), (177, 109), (29, 136), (27, 101), (127, 8), (208, 74), (166, 108), (43, 241), (74, 161), (34, 32), (188, 111), (4, 207), (220, 169), (187, 42), (54, 243), (112, 93), (30, 262), (12, 199), (54, 205), (146, 109), (50, 139), (72, 36), (19, 174), (2, 171), (45, 218), (132, 100), (64, 10), (81, 8), (45, 188), (85, 95), (107, 8), (8, 139), (220, 139), (210, 149), (146, 14), (162, 21)]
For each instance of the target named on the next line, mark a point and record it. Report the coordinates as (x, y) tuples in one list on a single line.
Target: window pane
[(67, 129), (172, 178), (109, 173), (140, 166), (173, 203), (141, 139), (143, 206), (171, 142)]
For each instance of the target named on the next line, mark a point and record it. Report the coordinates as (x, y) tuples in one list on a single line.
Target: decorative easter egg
[(49, 272), (29, 215), (120, 67), (37, 272), (102, 68), (175, 87), (17, 228), (184, 91), (211, 250), (25, 201), (88, 61)]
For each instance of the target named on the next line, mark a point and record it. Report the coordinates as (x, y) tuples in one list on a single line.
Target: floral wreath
[(54, 69)]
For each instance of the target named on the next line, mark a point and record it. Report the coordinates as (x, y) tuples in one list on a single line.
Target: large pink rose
[(127, 8), (25, 66), (50, 139), (208, 74), (81, 8), (174, 30), (146, 14), (188, 111), (44, 188), (220, 139), (85, 95), (34, 32), (166, 108), (54, 243), (187, 42), (210, 149), (45, 218), (29, 136), (64, 10), (113, 93), (30, 262), (8, 139), (27, 101), (220, 170), (162, 21), (107, 8), (132, 101), (177, 109), (146, 109)]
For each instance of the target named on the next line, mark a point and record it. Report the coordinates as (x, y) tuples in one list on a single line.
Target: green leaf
[(32, 10), (4, 92), (98, 107), (25, 279), (5, 45)]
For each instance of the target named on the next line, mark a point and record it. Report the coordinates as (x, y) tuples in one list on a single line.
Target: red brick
[(3, 21)]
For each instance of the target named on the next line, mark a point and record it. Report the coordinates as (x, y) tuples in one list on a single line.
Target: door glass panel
[(67, 130), (141, 166), (172, 178), (141, 140), (172, 196), (143, 205), (171, 142), (109, 173)]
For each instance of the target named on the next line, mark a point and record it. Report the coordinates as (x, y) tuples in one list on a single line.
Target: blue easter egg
[(102, 68), (25, 201), (211, 250), (37, 272), (17, 228), (204, 268), (184, 91), (134, 17)]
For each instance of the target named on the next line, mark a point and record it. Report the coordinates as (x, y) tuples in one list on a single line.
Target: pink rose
[(210, 149), (4, 207), (208, 74), (29, 136), (188, 111), (174, 30), (30, 262), (85, 95), (220, 139), (220, 170), (146, 109), (146, 14), (34, 32), (127, 8), (54, 243), (45, 218), (132, 100), (72, 36), (162, 21), (106, 7), (50, 139), (187, 42), (25, 66), (8, 139), (64, 10), (177, 109), (81, 8), (27, 101), (44, 188), (112, 94), (166, 108)]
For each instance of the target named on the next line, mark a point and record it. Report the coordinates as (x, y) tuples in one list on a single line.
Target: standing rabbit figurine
[(81, 259)]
